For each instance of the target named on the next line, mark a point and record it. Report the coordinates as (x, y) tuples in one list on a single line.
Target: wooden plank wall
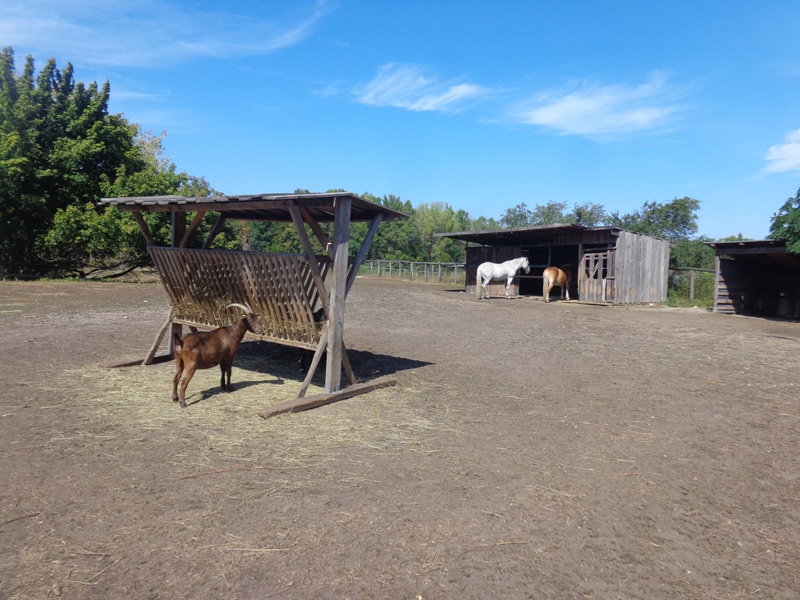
[(728, 287), (642, 269)]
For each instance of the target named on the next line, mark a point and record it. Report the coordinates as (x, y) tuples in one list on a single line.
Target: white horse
[(489, 271)]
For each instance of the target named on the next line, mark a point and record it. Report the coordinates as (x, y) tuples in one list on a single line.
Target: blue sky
[(480, 105)]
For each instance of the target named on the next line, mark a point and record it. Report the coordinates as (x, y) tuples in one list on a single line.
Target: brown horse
[(554, 276)]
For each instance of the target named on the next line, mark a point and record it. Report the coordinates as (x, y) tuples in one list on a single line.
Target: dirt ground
[(529, 450)]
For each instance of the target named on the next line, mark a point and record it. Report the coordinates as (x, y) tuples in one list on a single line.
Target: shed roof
[(259, 207), (767, 254), (521, 235)]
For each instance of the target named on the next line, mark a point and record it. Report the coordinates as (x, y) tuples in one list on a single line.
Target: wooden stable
[(758, 278), (612, 265), (284, 290)]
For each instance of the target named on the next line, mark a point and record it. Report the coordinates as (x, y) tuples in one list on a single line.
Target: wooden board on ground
[(300, 404)]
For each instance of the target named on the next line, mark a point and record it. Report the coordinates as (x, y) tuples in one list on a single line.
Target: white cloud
[(785, 156), (596, 110), (408, 87), (147, 32)]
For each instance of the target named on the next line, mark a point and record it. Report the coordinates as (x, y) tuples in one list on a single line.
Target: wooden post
[(691, 285), (341, 248), (178, 228)]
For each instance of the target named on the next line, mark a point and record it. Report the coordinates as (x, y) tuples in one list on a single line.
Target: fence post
[(691, 285)]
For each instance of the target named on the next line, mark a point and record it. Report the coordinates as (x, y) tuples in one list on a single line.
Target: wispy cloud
[(147, 32), (410, 88), (786, 156), (597, 110)]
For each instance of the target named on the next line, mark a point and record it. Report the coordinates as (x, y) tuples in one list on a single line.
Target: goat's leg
[(176, 380), (190, 369), (225, 367)]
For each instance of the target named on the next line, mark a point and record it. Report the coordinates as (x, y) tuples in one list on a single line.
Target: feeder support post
[(338, 293)]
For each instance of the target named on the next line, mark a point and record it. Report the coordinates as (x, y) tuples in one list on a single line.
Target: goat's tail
[(177, 343)]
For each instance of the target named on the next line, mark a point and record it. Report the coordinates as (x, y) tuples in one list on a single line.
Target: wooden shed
[(284, 290), (759, 278), (612, 265)]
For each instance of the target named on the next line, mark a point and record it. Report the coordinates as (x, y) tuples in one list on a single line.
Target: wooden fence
[(692, 283), (425, 272)]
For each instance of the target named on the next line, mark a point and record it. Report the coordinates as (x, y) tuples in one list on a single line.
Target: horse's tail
[(545, 281), (478, 282)]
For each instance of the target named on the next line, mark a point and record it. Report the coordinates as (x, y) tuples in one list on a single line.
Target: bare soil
[(529, 450)]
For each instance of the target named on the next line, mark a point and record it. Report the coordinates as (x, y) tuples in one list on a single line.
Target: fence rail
[(426, 272)]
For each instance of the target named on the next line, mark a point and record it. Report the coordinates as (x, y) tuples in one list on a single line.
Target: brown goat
[(206, 349)]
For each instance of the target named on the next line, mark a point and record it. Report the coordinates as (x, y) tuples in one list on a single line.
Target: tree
[(398, 239), (516, 216), (58, 144), (86, 241), (786, 224), (439, 217), (674, 220), (551, 213), (692, 254), (484, 224), (542, 214), (587, 214)]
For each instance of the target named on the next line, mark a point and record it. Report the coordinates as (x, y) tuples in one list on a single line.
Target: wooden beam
[(299, 226), (340, 247), (314, 363), (315, 227), (362, 252), (215, 230), (137, 215), (301, 404), (198, 218)]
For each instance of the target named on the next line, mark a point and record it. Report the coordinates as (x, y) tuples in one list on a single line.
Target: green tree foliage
[(551, 213), (516, 216), (439, 217), (673, 221), (484, 224), (398, 239), (58, 144), (692, 254), (87, 241), (587, 214), (785, 224)]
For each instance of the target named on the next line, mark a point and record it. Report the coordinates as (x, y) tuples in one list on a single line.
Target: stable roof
[(519, 236), (260, 207), (768, 254)]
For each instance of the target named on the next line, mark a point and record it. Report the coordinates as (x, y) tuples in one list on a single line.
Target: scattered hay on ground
[(135, 402)]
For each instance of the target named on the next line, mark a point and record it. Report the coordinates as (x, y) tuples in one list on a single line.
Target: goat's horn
[(244, 307)]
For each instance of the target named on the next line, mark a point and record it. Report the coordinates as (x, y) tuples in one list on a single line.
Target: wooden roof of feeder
[(260, 207)]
